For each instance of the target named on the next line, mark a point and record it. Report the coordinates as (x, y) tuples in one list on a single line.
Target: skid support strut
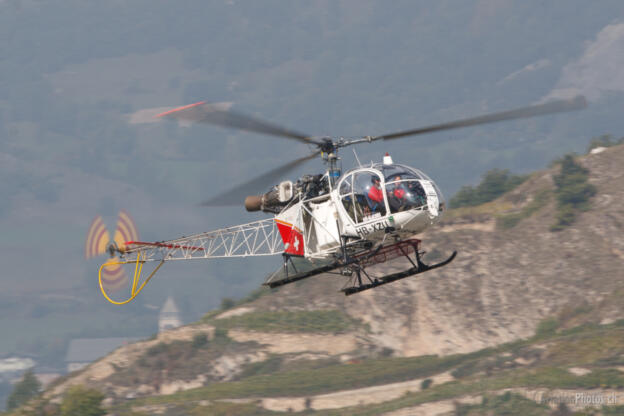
[(417, 267)]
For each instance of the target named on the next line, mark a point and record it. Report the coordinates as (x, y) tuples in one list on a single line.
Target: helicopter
[(345, 223)]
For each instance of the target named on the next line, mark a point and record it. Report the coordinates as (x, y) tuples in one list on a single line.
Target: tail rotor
[(99, 243)]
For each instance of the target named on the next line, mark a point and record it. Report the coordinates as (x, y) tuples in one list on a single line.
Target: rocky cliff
[(512, 272)]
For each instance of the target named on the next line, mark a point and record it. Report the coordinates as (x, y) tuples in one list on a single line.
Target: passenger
[(398, 191), (396, 197)]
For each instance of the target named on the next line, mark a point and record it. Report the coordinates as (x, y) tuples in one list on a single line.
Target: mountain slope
[(522, 311)]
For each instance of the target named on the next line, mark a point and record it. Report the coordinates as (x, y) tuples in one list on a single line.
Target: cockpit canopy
[(365, 194), (391, 171)]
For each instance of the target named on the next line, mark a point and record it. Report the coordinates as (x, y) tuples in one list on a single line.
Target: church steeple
[(169, 317)]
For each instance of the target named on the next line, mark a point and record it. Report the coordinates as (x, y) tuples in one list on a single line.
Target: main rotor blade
[(577, 103), (220, 114), (236, 195)]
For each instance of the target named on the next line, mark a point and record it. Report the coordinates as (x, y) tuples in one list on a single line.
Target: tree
[(82, 401), (494, 183), (606, 140), (573, 192), (27, 388)]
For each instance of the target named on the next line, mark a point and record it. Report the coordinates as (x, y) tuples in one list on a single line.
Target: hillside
[(80, 82), (521, 319)]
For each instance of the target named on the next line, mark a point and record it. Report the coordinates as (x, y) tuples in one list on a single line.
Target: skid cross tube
[(417, 268)]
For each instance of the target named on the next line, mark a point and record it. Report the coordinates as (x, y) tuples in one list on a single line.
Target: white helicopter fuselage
[(404, 203)]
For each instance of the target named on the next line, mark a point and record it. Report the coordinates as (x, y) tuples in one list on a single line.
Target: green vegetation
[(81, 401), (269, 366), (327, 379), (208, 316), (27, 388), (544, 377), (494, 183), (606, 140), (157, 349), (546, 327), (510, 220), (179, 359), (199, 340), (227, 303), (231, 409), (573, 192), (255, 294), (612, 410), (486, 370), (504, 404), (550, 353), (221, 337), (290, 321), (426, 383), (466, 369)]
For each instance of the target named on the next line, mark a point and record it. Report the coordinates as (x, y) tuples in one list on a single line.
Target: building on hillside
[(12, 368), (83, 351), (169, 317)]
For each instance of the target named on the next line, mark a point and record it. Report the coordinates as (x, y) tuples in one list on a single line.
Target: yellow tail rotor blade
[(126, 230), (97, 239)]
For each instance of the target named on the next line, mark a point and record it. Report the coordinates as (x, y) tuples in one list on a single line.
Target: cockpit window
[(362, 196), (404, 188), (392, 171), (369, 195), (345, 185), (405, 193)]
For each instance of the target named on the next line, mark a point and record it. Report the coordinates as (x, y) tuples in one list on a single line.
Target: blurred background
[(81, 80)]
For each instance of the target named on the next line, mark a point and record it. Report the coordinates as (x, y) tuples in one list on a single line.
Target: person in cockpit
[(396, 196), (375, 195)]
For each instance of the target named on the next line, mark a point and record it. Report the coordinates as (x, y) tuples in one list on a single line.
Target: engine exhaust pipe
[(273, 201), (254, 203)]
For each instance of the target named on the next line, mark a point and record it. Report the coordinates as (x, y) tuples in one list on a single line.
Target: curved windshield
[(404, 194), (392, 172)]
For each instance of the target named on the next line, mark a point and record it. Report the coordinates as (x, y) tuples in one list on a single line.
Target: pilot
[(375, 194)]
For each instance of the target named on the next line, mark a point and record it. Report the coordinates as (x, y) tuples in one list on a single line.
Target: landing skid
[(296, 268), (418, 267), (296, 275)]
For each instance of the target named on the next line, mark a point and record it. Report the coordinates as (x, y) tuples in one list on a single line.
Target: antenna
[(357, 158)]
